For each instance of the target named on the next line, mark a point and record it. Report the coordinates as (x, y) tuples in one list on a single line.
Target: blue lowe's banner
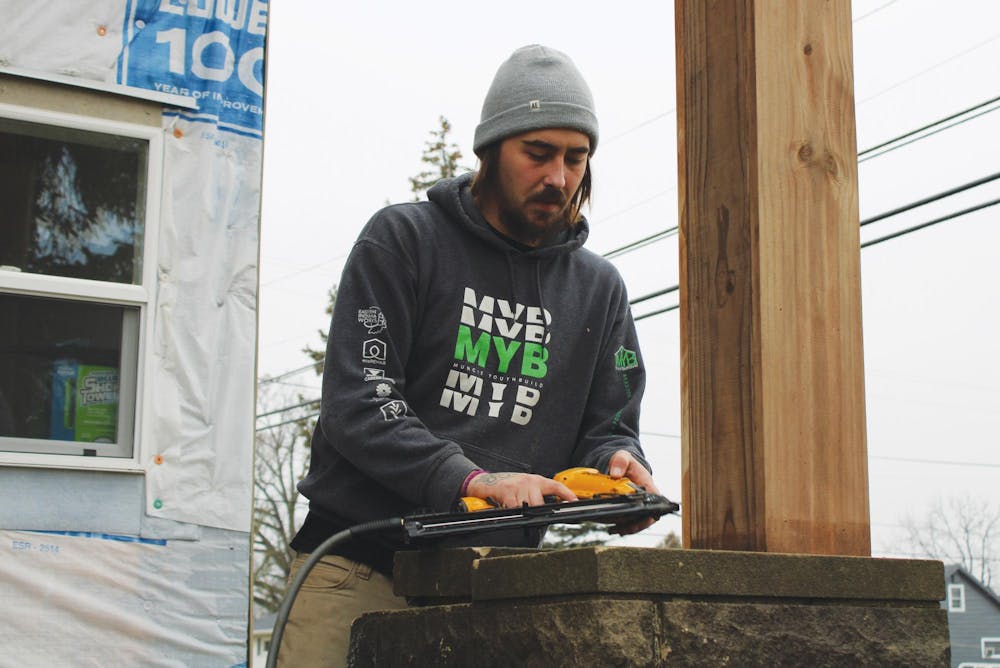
[(209, 50)]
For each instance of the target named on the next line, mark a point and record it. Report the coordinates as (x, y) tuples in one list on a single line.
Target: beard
[(533, 226)]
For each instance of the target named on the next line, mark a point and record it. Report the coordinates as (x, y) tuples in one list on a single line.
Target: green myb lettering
[(506, 351), (533, 360), (476, 352)]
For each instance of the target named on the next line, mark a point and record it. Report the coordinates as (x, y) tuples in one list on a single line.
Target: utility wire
[(633, 206), (928, 69), (605, 142), (293, 372), (651, 295), (921, 226), (289, 408), (937, 462), (663, 234), (874, 11), (930, 199), (652, 313), (279, 424), (304, 270), (914, 135), (872, 242), (875, 151), (645, 241), (659, 433)]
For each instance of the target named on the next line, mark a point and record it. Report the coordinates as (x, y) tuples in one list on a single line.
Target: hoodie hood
[(455, 197)]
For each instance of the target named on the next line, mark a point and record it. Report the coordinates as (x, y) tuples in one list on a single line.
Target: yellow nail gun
[(586, 483), (601, 498)]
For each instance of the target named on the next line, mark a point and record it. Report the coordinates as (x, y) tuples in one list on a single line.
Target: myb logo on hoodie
[(502, 344)]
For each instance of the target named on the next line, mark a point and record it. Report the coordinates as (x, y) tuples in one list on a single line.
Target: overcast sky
[(354, 88)]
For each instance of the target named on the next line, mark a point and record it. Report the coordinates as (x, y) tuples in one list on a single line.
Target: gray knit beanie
[(536, 88)]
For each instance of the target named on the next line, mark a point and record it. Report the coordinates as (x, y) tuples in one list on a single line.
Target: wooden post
[(774, 452)]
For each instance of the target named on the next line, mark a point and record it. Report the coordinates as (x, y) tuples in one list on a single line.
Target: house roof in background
[(951, 570), (264, 625)]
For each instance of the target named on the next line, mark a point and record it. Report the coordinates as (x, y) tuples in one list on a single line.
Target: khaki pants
[(336, 593)]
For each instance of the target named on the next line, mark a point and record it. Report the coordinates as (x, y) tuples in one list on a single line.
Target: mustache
[(549, 196)]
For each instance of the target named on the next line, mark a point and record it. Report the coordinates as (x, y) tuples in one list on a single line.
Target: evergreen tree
[(317, 355), (442, 157)]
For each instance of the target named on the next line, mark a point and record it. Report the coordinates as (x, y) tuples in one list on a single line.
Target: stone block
[(442, 576), (641, 607), (701, 633), (639, 633), (619, 570), (603, 633)]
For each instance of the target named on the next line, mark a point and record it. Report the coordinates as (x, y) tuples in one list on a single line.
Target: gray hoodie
[(451, 349)]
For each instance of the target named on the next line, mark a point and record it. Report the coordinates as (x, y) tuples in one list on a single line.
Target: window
[(77, 208), (956, 598), (991, 648)]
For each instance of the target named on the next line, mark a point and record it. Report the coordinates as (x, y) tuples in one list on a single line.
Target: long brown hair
[(484, 179)]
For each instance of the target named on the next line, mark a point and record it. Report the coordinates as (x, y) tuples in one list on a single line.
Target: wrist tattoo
[(491, 479)]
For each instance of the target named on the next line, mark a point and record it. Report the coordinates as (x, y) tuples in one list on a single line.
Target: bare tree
[(585, 534), (962, 529), (281, 461)]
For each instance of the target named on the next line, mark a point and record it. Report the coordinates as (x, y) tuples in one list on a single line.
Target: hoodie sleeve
[(365, 414), (611, 420)]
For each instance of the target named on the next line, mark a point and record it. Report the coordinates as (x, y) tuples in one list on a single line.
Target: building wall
[(90, 576), (981, 619)]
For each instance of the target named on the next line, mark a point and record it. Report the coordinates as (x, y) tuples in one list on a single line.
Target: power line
[(289, 408), (634, 206), (280, 424), (930, 199), (304, 270), (891, 144), (651, 295), (894, 235), (663, 234), (605, 142), (937, 462), (921, 226), (874, 11), (293, 372), (912, 136), (658, 312), (659, 433), (928, 69), (645, 241)]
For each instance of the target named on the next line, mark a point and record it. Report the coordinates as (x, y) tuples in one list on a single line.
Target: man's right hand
[(513, 490)]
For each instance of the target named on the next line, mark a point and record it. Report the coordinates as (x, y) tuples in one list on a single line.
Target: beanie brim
[(518, 120)]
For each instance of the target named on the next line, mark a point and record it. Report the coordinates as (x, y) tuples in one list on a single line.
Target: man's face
[(537, 174)]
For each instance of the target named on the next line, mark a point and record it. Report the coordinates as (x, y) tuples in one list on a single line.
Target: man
[(476, 349)]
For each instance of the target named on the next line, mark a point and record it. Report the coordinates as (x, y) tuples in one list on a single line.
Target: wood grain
[(774, 454)]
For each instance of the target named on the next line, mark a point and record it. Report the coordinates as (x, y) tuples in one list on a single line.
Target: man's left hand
[(623, 464)]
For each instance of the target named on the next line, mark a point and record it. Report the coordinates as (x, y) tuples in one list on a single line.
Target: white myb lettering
[(509, 321)]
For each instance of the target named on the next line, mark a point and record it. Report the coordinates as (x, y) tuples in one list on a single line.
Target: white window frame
[(140, 297), (982, 643), (960, 589)]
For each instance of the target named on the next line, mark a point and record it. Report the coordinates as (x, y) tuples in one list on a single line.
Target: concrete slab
[(606, 570)]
